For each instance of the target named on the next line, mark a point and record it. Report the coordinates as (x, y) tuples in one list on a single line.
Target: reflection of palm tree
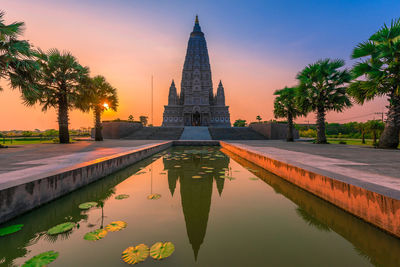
[(312, 221)]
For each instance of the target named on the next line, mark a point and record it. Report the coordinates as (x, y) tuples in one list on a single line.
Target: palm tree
[(103, 96), (16, 63), (259, 118), (322, 89), (61, 83), (362, 127), (378, 74), (375, 126), (285, 107)]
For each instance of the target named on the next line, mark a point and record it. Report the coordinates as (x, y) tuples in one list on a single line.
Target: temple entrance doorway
[(196, 119)]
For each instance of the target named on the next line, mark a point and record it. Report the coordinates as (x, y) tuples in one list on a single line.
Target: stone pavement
[(32, 159), (374, 169)]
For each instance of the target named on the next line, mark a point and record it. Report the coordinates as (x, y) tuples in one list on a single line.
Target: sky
[(255, 48)]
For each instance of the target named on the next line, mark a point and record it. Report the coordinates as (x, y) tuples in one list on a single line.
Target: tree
[(62, 84), (259, 118), (103, 97), (16, 58), (143, 120), (378, 74), (362, 127), (375, 127), (239, 123), (285, 107), (130, 118), (322, 89)]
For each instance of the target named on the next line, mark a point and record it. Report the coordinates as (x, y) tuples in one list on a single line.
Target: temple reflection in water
[(196, 194)]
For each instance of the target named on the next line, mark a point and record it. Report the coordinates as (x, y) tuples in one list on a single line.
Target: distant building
[(196, 105)]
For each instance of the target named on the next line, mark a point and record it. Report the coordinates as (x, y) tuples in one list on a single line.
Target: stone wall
[(36, 191), (118, 129), (273, 131)]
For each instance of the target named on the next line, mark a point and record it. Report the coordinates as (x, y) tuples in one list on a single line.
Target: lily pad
[(87, 205), (154, 196), (95, 235), (253, 178), (177, 166), (10, 229), (222, 172), (122, 196), (208, 171), (42, 259), (61, 228), (116, 226), (197, 176), (161, 250), (133, 255)]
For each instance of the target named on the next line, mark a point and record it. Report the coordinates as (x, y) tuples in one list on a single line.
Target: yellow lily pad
[(154, 196), (161, 250), (116, 226), (197, 176), (133, 255)]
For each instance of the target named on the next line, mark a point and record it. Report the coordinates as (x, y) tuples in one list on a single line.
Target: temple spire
[(196, 28), (220, 95), (173, 95)]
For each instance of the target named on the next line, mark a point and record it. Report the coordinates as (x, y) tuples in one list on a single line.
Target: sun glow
[(105, 105)]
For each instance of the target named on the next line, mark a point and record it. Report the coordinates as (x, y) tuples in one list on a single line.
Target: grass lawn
[(26, 141), (16, 142), (368, 142)]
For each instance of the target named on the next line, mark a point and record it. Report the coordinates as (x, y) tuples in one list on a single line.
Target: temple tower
[(196, 105)]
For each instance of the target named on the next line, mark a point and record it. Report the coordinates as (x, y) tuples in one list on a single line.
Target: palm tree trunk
[(321, 137), (390, 135), (98, 136), (374, 134), (363, 137), (289, 137), (63, 119)]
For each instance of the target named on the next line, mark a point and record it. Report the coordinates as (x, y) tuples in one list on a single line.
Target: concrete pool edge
[(375, 208), (31, 193)]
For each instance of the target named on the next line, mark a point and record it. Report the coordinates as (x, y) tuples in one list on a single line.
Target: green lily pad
[(61, 228), (161, 250), (10, 229), (42, 259), (122, 196), (208, 171), (222, 172), (133, 255), (253, 178), (87, 205), (116, 226), (95, 235), (154, 196)]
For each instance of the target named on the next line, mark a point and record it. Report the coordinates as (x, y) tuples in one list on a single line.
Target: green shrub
[(342, 142)]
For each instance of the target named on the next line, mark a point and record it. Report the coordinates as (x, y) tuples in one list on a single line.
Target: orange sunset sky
[(128, 41)]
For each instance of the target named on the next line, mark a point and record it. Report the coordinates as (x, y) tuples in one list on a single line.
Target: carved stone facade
[(196, 105)]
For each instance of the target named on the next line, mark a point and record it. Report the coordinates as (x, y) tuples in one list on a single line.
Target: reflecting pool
[(216, 208)]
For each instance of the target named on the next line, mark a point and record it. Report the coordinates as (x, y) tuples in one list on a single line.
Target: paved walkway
[(375, 169), (32, 159), (195, 133)]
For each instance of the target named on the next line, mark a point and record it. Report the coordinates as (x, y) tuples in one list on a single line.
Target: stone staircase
[(235, 133), (195, 133), (156, 133)]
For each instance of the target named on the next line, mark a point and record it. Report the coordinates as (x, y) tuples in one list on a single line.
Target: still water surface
[(252, 219)]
